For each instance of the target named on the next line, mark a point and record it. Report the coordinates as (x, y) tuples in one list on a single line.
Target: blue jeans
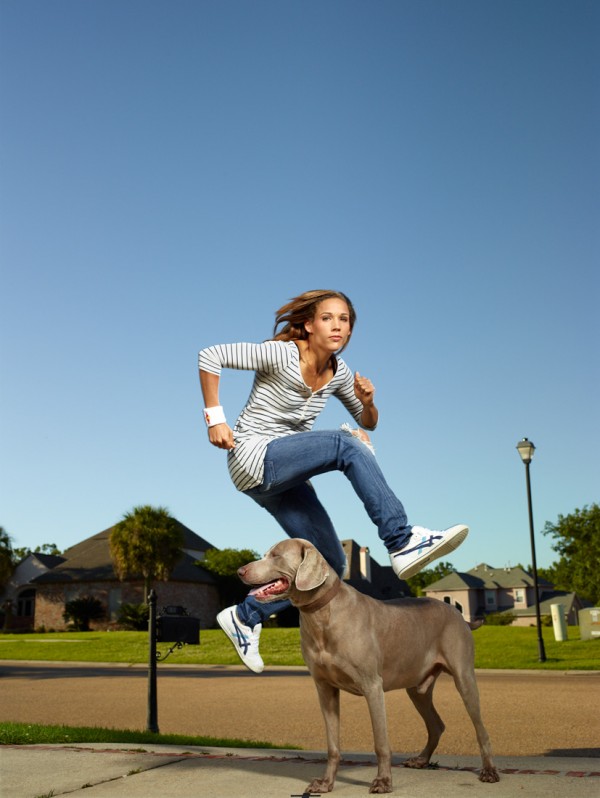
[(290, 498)]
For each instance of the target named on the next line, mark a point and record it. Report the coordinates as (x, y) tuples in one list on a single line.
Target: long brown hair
[(301, 309)]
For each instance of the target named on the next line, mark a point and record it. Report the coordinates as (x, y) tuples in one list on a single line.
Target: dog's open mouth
[(270, 590)]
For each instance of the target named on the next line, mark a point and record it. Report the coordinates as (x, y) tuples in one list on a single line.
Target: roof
[(90, 561), (48, 560), (486, 577), (547, 599)]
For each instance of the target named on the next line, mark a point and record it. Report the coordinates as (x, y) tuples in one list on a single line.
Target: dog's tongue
[(270, 588)]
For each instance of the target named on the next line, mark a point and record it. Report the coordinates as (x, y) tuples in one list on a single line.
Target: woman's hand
[(364, 390), (221, 436)]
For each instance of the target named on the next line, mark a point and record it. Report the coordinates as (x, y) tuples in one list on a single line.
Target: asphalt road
[(527, 713)]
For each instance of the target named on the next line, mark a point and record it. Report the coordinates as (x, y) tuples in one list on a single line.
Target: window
[(26, 603), (519, 596), (490, 598)]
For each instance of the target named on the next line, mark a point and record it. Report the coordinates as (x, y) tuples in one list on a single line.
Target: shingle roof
[(486, 577), (548, 598), (48, 560), (90, 561)]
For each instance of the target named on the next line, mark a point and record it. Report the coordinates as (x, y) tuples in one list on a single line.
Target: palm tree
[(7, 560), (147, 542)]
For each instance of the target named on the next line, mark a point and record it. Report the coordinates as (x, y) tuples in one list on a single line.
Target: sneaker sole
[(445, 548), (256, 668)]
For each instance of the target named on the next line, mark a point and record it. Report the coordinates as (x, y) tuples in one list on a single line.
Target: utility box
[(589, 623), (174, 625), (558, 622)]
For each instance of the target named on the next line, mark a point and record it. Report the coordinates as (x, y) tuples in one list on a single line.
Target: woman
[(273, 451)]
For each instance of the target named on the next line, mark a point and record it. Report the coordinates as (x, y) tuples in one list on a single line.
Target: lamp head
[(526, 449)]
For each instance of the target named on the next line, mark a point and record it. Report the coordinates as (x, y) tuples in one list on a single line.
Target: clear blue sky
[(171, 173)]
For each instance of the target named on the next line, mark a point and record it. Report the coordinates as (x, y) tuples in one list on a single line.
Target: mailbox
[(174, 625)]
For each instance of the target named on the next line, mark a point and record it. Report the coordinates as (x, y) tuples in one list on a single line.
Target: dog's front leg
[(329, 699), (376, 703)]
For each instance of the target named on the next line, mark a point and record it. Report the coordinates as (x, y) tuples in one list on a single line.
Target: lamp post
[(526, 449)]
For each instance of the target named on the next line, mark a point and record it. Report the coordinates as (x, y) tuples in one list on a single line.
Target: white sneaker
[(243, 638), (424, 546)]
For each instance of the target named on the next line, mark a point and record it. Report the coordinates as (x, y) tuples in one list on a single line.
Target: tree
[(147, 542), (428, 576), (224, 564), (7, 558), (45, 548), (577, 541)]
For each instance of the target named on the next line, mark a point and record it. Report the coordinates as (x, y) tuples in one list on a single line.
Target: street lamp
[(526, 449)]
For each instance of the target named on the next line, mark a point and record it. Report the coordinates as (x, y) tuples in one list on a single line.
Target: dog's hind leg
[(435, 725), (467, 687), (329, 699)]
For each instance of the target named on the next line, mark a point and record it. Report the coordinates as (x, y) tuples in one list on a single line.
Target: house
[(18, 597), (44, 584), (571, 603), (87, 570), (485, 589), (367, 576)]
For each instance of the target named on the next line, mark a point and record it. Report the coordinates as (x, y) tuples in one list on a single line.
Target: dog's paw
[(489, 775), (416, 762), (381, 784), (319, 786)]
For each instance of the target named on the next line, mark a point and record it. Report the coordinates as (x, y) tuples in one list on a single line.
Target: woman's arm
[(365, 393), (221, 435)]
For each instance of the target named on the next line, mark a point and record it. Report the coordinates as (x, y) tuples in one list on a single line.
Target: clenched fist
[(364, 389)]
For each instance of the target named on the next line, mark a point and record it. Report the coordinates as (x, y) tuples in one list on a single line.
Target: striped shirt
[(280, 402)]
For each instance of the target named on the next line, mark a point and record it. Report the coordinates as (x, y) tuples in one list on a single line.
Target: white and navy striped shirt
[(280, 402)]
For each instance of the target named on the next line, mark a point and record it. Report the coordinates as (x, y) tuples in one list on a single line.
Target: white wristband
[(214, 416)]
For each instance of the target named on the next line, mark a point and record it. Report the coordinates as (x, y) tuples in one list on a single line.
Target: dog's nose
[(241, 571)]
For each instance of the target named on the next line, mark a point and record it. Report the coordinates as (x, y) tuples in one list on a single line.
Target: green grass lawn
[(37, 734), (495, 647)]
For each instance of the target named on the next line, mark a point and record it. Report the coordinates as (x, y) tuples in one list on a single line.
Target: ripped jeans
[(290, 462)]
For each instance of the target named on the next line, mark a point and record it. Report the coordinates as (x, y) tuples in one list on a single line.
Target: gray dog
[(353, 642)]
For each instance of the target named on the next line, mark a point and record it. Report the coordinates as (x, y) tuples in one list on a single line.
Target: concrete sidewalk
[(120, 771)]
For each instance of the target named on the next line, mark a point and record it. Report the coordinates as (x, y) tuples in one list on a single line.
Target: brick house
[(18, 597), (87, 570)]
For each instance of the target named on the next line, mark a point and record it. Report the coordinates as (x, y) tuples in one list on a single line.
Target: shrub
[(134, 617), (81, 611), (500, 618)]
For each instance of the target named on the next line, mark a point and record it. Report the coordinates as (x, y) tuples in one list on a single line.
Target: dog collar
[(321, 602)]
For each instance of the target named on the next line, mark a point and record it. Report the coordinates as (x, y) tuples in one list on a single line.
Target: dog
[(366, 647)]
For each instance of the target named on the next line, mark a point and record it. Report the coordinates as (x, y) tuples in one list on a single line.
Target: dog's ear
[(312, 571)]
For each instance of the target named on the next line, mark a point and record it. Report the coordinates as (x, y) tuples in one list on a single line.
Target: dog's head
[(289, 570)]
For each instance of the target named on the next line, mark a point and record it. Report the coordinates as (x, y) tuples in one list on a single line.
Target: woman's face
[(330, 328)]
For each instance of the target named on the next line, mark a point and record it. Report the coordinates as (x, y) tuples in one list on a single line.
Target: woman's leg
[(295, 459)]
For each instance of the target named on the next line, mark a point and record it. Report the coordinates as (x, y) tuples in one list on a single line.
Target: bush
[(134, 617), (81, 611), (500, 618)]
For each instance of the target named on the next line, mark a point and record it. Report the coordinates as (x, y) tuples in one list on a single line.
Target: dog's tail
[(475, 624)]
